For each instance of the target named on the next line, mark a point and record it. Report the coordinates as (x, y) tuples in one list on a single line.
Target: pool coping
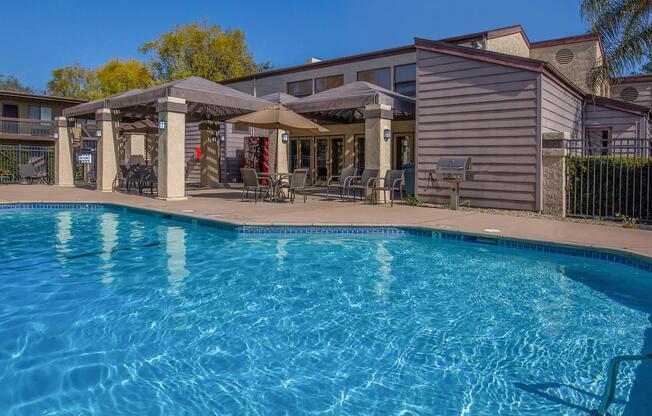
[(619, 256)]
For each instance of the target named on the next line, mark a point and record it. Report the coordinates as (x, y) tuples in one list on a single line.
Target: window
[(326, 83), (300, 88), (35, 112), (380, 76), (405, 79), (597, 142)]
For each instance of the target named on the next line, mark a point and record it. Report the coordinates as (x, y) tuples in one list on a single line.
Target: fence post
[(554, 173), (63, 175)]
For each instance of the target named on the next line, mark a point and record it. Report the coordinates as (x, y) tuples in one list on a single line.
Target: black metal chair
[(134, 176), (251, 182), (392, 182), (340, 181), (362, 183), (149, 179), (27, 173), (120, 181)]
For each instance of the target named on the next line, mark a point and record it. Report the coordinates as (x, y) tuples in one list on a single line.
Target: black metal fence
[(40, 157), (609, 179)]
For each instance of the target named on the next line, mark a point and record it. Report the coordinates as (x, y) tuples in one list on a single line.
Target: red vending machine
[(256, 153)]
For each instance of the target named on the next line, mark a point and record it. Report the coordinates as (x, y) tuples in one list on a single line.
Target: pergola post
[(209, 161), (281, 152), (378, 149), (63, 173), (171, 148), (107, 157)]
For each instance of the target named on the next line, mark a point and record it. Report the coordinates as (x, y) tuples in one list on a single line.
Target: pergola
[(347, 103), (163, 109)]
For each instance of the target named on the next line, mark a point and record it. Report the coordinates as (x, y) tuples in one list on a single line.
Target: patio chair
[(251, 182), (120, 180), (134, 176), (27, 173), (362, 183), (297, 183), (392, 182), (149, 179), (340, 181)]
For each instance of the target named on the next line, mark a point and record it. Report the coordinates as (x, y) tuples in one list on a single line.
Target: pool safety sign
[(85, 158)]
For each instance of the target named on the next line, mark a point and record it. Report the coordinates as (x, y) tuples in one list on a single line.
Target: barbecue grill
[(453, 171)]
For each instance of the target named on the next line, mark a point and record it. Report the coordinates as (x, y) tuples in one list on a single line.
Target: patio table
[(275, 184)]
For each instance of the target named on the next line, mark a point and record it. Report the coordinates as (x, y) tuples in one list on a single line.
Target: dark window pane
[(300, 88), (405, 73), (34, 112), (326, 83), (379, 76), (406, 88)]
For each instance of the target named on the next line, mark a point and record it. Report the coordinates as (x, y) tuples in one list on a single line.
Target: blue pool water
[(106, 312)]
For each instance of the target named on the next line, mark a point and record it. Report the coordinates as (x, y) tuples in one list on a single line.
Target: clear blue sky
[(39, 36)]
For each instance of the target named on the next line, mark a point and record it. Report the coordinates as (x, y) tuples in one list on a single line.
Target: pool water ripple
[(103, 312)]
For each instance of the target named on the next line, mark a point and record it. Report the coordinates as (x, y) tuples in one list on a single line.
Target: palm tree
[(626, 30)]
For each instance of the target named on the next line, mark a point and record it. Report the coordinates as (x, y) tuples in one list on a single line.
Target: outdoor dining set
[(138, 176), (349, 184)]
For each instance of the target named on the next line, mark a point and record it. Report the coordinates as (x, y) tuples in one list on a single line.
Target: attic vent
[(564, 56), (629, 94)]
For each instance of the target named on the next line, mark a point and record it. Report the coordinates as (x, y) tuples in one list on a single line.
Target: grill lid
[(454, 163)]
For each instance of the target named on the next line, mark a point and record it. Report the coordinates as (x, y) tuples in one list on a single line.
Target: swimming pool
[(110, 312)]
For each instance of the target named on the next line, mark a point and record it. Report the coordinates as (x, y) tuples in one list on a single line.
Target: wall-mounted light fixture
[(98, 133), (56, 135), (285, 137), (161, 125), (387, 134), (222, 138)]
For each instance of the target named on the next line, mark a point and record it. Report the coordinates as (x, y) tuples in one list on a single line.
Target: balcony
[(26, 129)]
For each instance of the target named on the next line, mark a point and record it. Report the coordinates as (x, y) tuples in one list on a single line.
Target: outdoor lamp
[(213, 138), (161, 125), (387, 134), (98, 133), (55, 135), (285, 137), (222, 138)]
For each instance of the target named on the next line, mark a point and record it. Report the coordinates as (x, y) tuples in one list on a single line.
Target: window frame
[(388, 68), (308, 80), (396, 82), (340, 76)]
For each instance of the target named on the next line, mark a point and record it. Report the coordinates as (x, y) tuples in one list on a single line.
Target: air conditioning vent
[(564, 56), (629, 94)]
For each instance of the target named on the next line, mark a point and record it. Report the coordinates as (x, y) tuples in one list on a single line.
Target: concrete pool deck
[(225, 205)]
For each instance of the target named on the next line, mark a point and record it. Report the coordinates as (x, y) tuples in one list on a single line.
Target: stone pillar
[(107, 157), (63, 169), (209, 161), (378, 151), (171, 148), (281, 151), (553, 172)]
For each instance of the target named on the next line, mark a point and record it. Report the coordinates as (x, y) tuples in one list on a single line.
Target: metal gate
[(40, 157), (609, 178), (85, 161)]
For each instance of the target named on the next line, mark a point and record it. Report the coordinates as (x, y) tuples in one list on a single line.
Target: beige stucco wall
[(278, 83), (513, 44), (586, 56)]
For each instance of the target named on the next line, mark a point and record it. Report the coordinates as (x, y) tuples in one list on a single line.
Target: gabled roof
[(39, 97), (633, 79), (566, 40), (279, 98), (618, 105), (197, 91), (498, 58), (489, 34), (347, 101)]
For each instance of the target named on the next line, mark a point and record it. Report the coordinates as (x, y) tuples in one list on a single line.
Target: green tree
[(11, 83), (117, 76), (202, 50), (626, 30), (74, 82)]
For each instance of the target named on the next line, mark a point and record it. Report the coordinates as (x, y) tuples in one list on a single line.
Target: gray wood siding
[(644, 90), (561, 110), (232, 155), (485, 111), (623, 125), (193, 141)]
